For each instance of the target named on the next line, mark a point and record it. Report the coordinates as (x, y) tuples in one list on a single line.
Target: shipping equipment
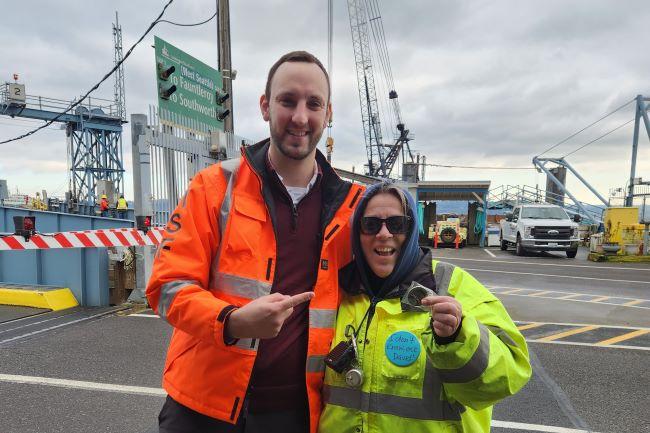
[(365, 20), (448, 233), (93, 131)]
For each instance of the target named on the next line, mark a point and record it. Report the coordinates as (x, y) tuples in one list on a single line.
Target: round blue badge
[(402, 348)]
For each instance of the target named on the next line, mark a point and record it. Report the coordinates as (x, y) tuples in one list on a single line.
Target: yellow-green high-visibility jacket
[(122, 204), (450, 387)]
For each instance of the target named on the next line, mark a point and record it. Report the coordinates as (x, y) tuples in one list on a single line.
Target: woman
[(428, 357)]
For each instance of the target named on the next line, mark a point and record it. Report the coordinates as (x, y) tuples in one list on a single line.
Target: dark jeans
[(176, 418)]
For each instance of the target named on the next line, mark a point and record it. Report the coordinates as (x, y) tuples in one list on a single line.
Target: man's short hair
[(296, 56)]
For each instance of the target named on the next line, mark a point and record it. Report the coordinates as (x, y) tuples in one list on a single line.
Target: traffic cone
[(435, 239), (457, 240)]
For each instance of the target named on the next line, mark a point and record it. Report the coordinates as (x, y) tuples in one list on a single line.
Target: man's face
[(297, 109)]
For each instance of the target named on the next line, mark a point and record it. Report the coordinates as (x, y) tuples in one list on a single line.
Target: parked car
[(540, 227)]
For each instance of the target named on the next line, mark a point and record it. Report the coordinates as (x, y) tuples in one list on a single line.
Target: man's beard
[(289, 151)]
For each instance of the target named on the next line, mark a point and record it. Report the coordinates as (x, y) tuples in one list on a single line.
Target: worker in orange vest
[(103, 206), (247, 271)]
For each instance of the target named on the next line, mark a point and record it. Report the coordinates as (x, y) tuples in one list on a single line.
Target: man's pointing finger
[(296, 300)]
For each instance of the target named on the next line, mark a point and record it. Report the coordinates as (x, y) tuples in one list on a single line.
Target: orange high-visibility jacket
[(219, 251)]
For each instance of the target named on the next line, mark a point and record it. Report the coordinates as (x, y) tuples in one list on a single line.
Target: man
[(122, 207), (103, 206), (247, 272)]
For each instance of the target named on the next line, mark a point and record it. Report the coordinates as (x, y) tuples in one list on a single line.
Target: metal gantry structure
[(365, 20), (641, 113), (540, 163), (94, 132)]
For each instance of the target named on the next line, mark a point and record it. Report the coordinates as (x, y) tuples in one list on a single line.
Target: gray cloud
[(480, 82)]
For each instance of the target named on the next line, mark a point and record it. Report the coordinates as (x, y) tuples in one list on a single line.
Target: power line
[(478, 167), (189, 25), (12, 125), (596, 139), (585, 128), (96, 86)]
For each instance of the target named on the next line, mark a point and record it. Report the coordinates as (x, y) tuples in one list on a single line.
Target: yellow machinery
[(446, 232), (622, 227)]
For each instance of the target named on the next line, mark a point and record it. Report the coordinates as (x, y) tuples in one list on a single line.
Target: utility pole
[(225, 62)]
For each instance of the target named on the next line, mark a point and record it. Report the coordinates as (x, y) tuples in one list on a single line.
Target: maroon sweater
[(278, 380)]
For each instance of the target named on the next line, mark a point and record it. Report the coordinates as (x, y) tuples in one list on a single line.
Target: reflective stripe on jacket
[(448, 388), (219, 251)]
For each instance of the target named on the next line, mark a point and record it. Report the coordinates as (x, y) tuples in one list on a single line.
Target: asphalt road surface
[(587, 324)]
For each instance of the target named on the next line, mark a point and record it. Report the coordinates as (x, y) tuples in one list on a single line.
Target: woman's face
[(382, 249)]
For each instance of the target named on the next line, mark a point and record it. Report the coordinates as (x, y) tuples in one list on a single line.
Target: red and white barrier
[(84, 239)]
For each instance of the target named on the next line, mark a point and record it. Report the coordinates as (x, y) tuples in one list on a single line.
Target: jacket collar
[(334, 189)]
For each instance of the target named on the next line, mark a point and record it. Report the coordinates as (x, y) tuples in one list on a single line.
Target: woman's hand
[(446, 313)]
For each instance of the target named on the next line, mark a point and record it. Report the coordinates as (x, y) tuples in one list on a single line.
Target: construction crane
[(365, 20)]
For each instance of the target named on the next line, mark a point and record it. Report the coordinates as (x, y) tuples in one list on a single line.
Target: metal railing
[(93, 105), (509, 196)]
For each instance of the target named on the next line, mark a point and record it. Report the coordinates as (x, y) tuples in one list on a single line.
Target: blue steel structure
[(94, 134), (83, 270)]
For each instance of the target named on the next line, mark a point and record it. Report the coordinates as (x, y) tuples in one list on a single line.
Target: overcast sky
[(480, 83)]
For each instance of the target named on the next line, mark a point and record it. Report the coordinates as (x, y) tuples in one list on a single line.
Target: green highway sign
[(189, 87)]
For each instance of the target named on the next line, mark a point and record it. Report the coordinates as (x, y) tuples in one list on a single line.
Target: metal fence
[(179, 147)]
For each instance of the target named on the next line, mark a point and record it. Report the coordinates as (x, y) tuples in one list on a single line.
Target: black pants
[(176, 418)]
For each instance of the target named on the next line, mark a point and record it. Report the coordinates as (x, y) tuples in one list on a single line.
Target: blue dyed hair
[(409, 254)]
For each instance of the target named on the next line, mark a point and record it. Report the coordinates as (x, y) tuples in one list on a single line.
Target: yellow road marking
[(511, 291), (602, 298), (529, 326), (573, 295), (543, 292), (623, 337), (568, 333), (635, 302)]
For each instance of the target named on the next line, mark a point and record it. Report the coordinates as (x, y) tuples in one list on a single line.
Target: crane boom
[(364, 14), (366, 85)]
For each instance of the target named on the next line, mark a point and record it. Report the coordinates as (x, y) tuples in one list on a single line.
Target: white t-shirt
[(297, 193)]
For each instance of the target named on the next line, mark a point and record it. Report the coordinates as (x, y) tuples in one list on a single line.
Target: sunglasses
[(396, 225)]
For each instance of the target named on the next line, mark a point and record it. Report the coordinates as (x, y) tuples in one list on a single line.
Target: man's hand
[(446, 313), (264, 317)]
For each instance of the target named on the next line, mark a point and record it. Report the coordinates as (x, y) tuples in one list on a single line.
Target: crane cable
[(585, 128), (477, 167), (596, 139)]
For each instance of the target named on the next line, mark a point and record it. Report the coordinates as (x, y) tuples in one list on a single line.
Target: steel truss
[(93, 154), (94, 132)]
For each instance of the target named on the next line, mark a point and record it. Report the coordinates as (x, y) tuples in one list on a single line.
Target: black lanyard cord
[(373, 303)]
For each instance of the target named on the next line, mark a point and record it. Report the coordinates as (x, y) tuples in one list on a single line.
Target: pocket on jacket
[(180, 345), (403, 360), (245, 226)]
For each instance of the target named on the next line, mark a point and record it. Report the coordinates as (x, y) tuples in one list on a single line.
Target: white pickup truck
[(540, 227)]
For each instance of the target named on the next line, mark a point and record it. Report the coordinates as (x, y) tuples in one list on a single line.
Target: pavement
[(99, 370)]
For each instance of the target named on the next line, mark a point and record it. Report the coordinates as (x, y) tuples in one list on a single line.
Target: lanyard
[(355, 332)]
